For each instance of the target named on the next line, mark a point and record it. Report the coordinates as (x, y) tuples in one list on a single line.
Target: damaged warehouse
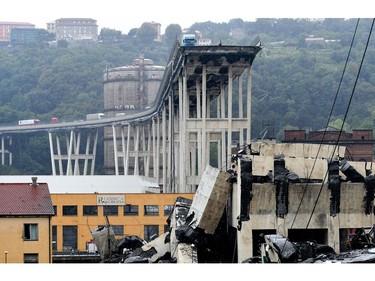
[(283, 203)]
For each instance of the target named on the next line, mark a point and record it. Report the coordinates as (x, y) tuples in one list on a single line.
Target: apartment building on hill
[(74, 29)]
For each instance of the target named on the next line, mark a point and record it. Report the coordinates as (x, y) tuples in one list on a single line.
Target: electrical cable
[(325, 129), (346, 113), (330, 115)]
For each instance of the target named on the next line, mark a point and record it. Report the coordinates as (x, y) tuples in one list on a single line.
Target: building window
[(110, 210), (54, 238), (69, 237), (168, 210), (69, 210), (118, 230), (30, 231), (151, 210), (151, 232), (55, 210), (90, 210), (130, 210), (30, 258)]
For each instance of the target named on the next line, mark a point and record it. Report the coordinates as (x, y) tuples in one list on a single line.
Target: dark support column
[(246, 188), (334, 186)]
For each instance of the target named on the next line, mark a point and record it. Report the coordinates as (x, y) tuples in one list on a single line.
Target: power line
[(325, 130), (330, 115), (347, 109)]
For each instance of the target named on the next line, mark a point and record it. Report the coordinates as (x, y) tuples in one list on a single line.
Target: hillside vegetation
[(294, 85)]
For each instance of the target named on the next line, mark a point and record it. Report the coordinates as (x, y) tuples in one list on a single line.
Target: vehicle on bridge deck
[(95, 116), (54, 120), (120, 114), (188, 40), (28, 122)]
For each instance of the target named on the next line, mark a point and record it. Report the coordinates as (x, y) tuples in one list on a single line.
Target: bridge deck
[(216, 59)]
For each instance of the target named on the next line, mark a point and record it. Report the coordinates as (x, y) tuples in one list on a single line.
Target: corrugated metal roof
[(25, 199)]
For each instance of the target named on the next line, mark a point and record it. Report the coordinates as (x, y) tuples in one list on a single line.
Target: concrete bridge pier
[(207, 126), (6, 154), (204, 111), (142, 149), (73, 161)]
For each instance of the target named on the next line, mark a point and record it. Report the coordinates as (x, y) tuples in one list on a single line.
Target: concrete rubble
[(198, 229), (278, 249), (195, 229)]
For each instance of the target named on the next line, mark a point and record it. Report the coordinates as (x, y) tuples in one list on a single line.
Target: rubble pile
[(196, 228), (278, 249)]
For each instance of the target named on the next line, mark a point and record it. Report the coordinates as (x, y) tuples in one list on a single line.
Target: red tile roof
[(25, 199)]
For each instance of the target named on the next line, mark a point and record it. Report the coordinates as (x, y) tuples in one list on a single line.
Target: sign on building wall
[(110, 200)]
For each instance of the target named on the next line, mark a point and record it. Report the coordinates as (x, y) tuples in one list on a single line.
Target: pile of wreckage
[(196, 228), (193, 233), (278, 249), (199, 227), (180, 244), (188, 242)]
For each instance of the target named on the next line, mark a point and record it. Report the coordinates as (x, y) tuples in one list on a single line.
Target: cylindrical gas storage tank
[(131, 88), (128, 89)]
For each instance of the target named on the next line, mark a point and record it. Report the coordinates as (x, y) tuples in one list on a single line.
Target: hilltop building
[(23, 36), (6, 28), (157, 27), (74, 29)]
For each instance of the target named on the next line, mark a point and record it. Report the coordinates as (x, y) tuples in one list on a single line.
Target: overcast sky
[(124, 15)]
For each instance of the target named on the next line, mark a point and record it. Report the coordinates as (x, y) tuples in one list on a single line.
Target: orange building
[(76, 215), (80, 204)]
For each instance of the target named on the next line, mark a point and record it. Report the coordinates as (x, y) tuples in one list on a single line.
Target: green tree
[(133, 32), (146, 33), (62, 43), (173, 32), (110, 35), (45, 36)]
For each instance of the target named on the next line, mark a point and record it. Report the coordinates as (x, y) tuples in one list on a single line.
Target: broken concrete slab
[(210, 199)]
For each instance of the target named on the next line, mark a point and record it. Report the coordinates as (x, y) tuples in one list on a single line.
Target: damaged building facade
[(304, 192), (305, 197)]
